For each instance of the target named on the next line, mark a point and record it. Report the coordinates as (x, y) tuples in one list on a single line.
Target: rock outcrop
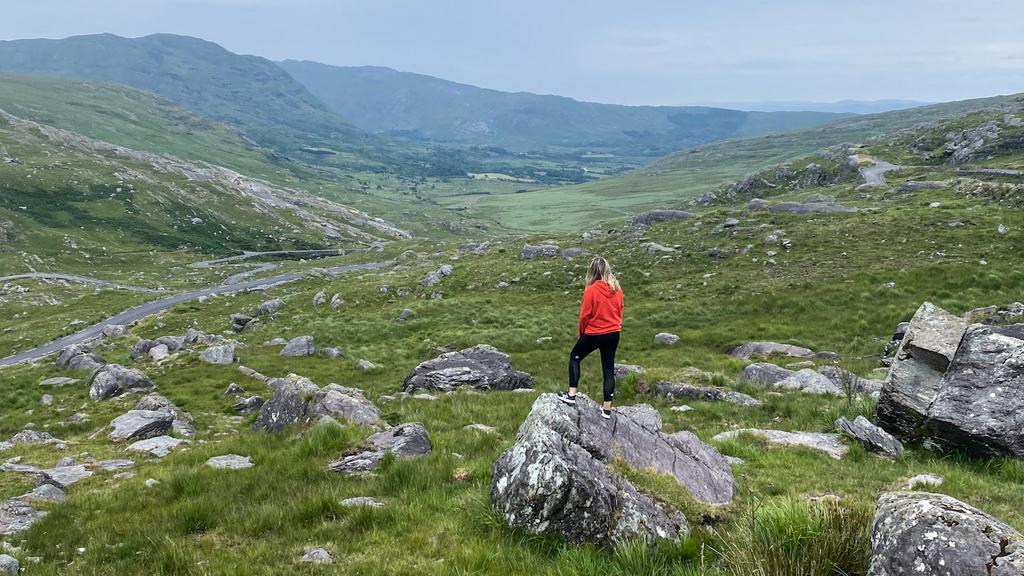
[(300, 346), (957, 388), (16, 516), (763, 374), (406, 441), (183, 423), (140, 425), (556, 478), (862, 431), (917, 370), (114, 380), (673, 390), (938, 535), (298, 400), (825, 442), (79, 357), (483, 367), (750, 349)]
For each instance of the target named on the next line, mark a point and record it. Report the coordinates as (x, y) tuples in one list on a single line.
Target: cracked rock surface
[(482, 367)]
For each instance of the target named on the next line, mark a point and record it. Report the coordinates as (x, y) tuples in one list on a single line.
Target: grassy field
[(828, 293)]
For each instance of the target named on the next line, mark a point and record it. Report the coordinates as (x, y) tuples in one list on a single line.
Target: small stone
[(229, 462), (317, 556), (360, 501), (157, 447), (404, 315), (333, 353), (482, 428), (269, 307), (365, 365), (665, 339), (59, 381), (233, 389), (681, 408), (1003, 229), (151, 482), (925, 480), (46, 400)]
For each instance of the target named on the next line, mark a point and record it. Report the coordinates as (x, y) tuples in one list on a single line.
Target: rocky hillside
[(768, 392), (60, 190)]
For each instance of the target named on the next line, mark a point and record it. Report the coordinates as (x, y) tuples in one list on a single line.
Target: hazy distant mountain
[(421, 107), (841, 107), (248, 92)]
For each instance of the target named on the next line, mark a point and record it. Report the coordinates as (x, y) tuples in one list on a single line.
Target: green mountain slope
[(248, 92), (687, 174), (66, 196), (423, 107)]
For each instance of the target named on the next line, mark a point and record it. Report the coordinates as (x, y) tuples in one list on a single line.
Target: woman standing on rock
[(600, 324)]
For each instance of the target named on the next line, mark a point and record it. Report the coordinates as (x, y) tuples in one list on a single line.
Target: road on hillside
[(140, 312), (76, 279), (875, 174)]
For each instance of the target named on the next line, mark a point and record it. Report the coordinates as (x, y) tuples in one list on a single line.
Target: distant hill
[(248, 92), (419, 107), (841, 107)]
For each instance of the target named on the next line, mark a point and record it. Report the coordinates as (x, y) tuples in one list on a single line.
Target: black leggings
[(606, 343)]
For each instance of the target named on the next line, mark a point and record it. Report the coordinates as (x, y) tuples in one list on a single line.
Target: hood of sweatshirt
[(603, 288)]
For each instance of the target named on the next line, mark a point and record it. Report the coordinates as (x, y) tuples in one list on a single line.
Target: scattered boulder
[(16, 516), (477, 248), (240, 322), (530, 252), (114, 331), (32, 437), (301, 346), (317, 556), (183, 423), (764, 374), (665, 339), (655, 216), (825, 442), (9, 565), (938, 535), (44, 493), (483, 367), (248, 405), (115, 464), (482, 428), (404, 315), (862, 431), (269, 307), (319, 298), (809, 381), (624, 371), (79, 357), (114, 380), (673, 390), (915, 377), (928, 480), (843, 378), (978, 407), (140, 424), (750, 349), (223, 354), (159, 352), (653, 249), (173, 343), (229, 462), (65, 476), (361, 501), (333, 353), (556, 478), (406, 441), (297, 400), (365, 365), (59, 381), (233, 389), (158, 446)]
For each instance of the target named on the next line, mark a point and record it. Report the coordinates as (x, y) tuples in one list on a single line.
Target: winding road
[(875, 173), (143, 310), (77, 279)]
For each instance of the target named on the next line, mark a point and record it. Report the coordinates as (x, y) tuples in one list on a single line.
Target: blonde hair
[(600, 269)]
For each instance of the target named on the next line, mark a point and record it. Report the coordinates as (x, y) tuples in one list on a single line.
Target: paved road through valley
[(141, 311)]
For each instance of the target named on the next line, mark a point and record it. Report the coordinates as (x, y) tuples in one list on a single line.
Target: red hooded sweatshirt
[(601, 312)]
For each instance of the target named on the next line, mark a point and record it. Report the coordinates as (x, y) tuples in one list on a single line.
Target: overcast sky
[(621, 51)]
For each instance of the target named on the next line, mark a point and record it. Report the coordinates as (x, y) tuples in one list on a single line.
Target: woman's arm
[(586, 309)]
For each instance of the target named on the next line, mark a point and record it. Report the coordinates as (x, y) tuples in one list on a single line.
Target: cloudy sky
[(629, 52)]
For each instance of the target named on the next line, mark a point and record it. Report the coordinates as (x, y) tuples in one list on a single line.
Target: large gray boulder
[(16, 516), (406, 441), (530, 251), (674, 391), (9, 565), (114, 380), (482, 367), (557, 479), (300, 346), (139, 425), (269, 307), (862, 431), (79, 357), (655, 216), (979, 407), (183, 423), (809, 381), (298, 400), (937, 535), (915, 377), (223, 354), (750, 349), (763, 374)]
